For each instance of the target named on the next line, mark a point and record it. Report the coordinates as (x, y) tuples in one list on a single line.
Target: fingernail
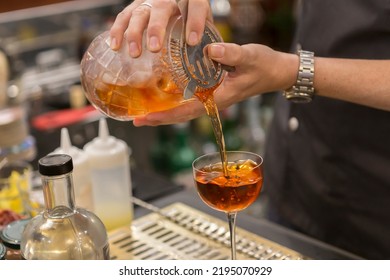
[(133, 49), (193, 38), (154, 43), (114, 44), (216, 51)]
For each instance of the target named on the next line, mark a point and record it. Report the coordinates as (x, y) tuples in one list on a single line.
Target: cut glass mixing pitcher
[(123, 87)]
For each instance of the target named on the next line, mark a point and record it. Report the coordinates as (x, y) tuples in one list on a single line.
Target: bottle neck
[(58, 195)]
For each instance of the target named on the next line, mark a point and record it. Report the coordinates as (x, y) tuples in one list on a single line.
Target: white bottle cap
[(82, 182), (78, 156)]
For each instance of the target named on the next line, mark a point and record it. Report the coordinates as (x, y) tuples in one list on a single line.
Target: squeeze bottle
[(110, 174), (81, 176)]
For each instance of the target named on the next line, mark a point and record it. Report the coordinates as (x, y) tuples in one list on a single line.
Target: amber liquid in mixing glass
[(124, 101)]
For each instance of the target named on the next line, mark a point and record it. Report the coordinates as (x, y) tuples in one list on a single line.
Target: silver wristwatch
[(303, 90)]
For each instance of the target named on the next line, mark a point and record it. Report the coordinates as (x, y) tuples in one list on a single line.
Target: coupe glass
[(231, 192)]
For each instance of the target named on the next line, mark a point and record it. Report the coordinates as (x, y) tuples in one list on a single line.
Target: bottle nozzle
[(103, 129), (65, 141)]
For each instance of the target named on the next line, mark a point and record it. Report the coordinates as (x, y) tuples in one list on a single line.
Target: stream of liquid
[(207, 99)]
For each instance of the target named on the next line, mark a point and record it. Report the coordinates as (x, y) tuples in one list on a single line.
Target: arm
[(260, 69), (365, 82)]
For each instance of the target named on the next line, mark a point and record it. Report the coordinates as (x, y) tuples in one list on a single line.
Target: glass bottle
[(231, 128), (62, 231), (161, 150), (183, 154)]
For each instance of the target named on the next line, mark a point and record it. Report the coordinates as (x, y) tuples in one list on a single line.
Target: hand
[(259, 69), (130, 24)]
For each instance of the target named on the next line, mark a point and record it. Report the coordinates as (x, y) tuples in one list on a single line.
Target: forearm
[(365, 82)]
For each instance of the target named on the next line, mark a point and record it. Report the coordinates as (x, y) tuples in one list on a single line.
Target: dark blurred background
[(44, 41)]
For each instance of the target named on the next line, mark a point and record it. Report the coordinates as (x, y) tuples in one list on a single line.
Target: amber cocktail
[(232, 192)]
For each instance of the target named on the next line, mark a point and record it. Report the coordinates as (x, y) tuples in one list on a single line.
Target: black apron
[(327, 163)]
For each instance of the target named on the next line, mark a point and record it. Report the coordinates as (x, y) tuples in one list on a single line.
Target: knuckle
[(130, 35), (141, 11), (155, 27), (164, 3)]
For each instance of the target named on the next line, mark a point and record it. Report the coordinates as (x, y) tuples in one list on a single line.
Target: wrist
[(291, 66), (284, 70)]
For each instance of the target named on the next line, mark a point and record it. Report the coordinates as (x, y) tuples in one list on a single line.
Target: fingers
[(134, 33), (120, 25), (198, 12), (159, 18), (130, 24)]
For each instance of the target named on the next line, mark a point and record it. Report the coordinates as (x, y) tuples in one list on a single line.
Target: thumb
[(225, 53)]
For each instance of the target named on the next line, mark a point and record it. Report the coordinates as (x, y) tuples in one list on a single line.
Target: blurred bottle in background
[(109, 165), (254, 130), (15, 184), (15, 141), (161, 149), (221, 10), (81, 178), (183, 154), (173, 152), (232, 125)]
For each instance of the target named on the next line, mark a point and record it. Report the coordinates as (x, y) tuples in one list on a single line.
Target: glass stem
[(232, 227)]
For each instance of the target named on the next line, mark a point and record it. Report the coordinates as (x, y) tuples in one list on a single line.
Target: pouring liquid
[(207, 99)]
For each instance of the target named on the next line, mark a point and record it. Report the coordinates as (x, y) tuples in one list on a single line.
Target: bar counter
[(162, 193)]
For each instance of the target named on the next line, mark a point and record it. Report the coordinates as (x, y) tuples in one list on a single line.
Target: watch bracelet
[(303, 89)]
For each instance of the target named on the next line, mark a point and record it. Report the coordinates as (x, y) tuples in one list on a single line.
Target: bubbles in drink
[(232, 193)]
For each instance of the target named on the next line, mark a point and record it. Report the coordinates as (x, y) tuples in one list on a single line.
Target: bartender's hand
[(259, 69), (153, 15)]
